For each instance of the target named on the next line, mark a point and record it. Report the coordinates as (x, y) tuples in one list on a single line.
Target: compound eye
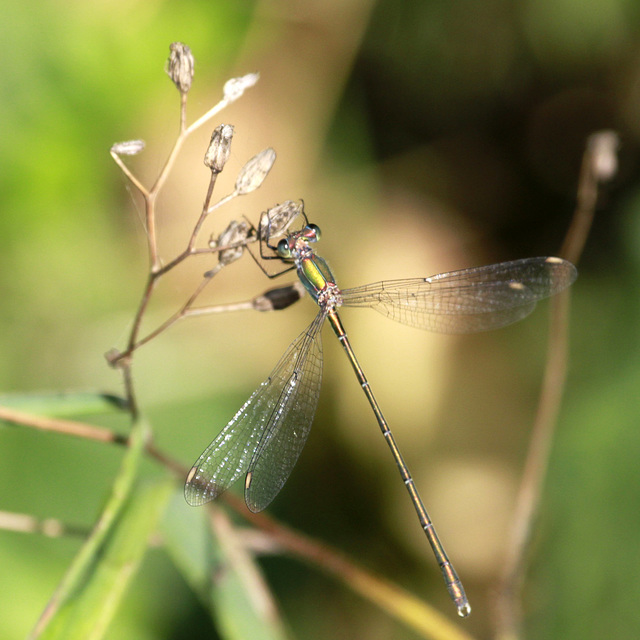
[(313, 232), (283, 249)]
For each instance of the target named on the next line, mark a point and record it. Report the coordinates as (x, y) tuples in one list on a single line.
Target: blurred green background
[(424, 136)]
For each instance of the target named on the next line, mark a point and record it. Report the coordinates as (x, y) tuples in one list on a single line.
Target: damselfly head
[(311, 233)]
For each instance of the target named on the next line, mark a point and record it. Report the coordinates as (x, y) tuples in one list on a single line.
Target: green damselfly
[(265, 437)]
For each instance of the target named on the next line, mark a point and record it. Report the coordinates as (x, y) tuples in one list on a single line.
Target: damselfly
[(264, 439)]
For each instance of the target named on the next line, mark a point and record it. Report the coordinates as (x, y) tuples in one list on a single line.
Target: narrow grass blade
[(89, 593), (212, 555)]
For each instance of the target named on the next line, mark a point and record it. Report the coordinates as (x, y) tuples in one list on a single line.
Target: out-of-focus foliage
[(423, 137)]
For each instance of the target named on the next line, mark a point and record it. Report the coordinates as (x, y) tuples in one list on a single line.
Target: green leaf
[(88, 596), (222, 571), (61, 405), (188, 538)]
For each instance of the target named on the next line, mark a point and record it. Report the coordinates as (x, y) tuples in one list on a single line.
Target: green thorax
[(314, 273)]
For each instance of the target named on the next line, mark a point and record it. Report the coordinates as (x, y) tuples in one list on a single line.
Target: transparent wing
[(289, 422), (469, 300), (274, 416)]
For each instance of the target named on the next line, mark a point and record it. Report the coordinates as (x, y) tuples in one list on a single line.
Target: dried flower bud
[(219, 148), (128, 148), (603, 146), (234, 233), (113, 357), (180, 66), (279, 298), (235, 87), (253, 173), (275, 221)]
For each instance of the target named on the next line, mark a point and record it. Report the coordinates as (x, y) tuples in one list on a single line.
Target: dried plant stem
[(157, 271), (129, 387), (166, 169), (183, 134), (238, 558), (137, 320), (509, 608), (129, 175), (219, 308), (207, 116), (204, 250), (58, 425), (50, 527), (174, 318), (221, 202), (85, 431), (204, 214), (120, 358), (597, 166), (591, 175), (183, 111)]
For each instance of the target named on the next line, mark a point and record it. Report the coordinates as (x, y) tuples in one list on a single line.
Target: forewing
[(469, 300), (229, 456), (289, 421)]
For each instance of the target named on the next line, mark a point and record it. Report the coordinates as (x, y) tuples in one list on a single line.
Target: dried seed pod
[(279, 298), (236, 232), (180, 66), (275, 222), (128, 147), (219, 148), (604, 147), (253, 173), (235, 87)]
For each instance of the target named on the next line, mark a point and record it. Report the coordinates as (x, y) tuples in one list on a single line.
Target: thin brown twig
[(598, 166), (154, 276), (222, 201), (509, 607), (123, 359), (183, 111), (240, 559), (186, 309), (84, 431), (149, 196), (142, 307), (128, 174), (157, 270), (204, 214), (49, 527), (150, 226), (59, 425), (207, 116), (195, 251), (129, 387), (175, 317), (245, 305), (133, 342)]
